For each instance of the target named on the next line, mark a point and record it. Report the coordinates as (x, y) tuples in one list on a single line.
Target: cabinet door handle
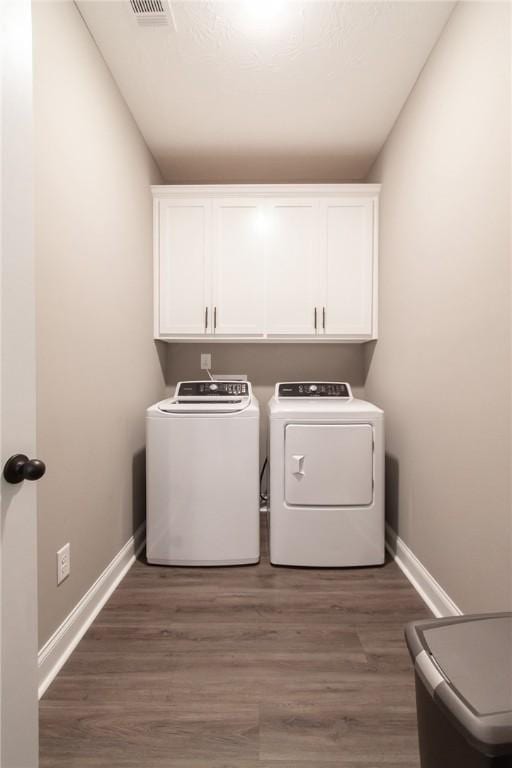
[(323, 318), (206, 318), (315, 318), (215, 318)]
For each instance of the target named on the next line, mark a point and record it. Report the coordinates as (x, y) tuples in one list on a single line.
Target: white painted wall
[(98, 367), (441, 367)]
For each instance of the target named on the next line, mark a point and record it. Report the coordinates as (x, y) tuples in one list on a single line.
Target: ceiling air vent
[(151, 13)]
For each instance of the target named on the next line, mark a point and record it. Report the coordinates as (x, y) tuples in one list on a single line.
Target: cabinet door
[(349, 266), (291, 274), (184, 267), (238, 259)]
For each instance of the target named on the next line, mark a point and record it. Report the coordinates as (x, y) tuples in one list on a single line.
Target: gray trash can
[(463, 671)]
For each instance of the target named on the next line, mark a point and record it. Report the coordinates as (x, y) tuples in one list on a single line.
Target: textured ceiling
[(226, 94)]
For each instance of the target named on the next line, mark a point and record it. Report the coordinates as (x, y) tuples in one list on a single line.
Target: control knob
[(213, 387), (313, 388)]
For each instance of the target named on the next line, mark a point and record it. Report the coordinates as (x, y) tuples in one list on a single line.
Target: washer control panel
[(339, 389), (211, 390)]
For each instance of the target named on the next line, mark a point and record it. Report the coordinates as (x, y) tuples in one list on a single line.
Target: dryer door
[(329, 465)]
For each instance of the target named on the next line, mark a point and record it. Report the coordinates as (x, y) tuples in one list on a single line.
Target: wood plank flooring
[(251, 667)]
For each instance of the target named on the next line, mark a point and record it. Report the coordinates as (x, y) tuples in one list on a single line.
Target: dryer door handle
[(298, 465)]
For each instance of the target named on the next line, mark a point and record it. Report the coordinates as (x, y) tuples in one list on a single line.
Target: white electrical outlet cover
[(206, 361), (63, 563)]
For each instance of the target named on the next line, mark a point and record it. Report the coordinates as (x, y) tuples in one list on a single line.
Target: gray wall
[(441, 368), (265, 364), (98, 367)]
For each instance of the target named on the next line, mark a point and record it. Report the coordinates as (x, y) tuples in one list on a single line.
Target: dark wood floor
[(251, 667)]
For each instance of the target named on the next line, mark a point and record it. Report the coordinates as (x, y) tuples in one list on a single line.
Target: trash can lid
[(466, 663)]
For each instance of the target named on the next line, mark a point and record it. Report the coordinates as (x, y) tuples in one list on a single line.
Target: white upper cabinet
[(238, 267), (256, 262), (291, 294), (348, 231), (183, 284)]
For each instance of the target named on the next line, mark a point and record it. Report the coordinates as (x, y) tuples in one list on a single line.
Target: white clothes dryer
[(203, 475), (326, 476)]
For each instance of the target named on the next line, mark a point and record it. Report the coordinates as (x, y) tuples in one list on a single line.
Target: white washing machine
[(202, 475), (326, 476)]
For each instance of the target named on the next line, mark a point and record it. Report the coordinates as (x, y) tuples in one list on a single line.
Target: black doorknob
[(19, 467)]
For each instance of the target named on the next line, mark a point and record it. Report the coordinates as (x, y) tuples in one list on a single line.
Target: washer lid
[(210, 396), (466, 663), (230, 406), (212, 391)]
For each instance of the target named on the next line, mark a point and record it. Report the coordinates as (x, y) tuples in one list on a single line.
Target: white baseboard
[(56, 651), (423, 582)]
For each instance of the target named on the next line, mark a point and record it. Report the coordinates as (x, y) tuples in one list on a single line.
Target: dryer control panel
[(338, 389), (211, 390)]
